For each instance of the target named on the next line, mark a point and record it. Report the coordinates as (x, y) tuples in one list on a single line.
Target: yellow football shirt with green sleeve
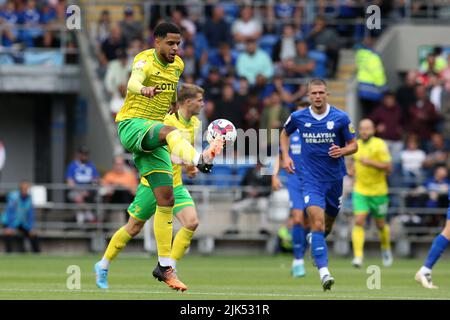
[(154, 73), (370, 181)]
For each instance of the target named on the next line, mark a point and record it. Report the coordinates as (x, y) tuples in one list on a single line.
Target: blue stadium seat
[(222, 175), (321, 63)]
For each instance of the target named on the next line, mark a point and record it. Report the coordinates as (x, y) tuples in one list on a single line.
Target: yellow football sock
[(117, 243), (163, 226), (385, 237), (181, 243), (182, 148), (358, 241)]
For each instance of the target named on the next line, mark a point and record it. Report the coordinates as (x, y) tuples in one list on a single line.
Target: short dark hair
[(162, 29)]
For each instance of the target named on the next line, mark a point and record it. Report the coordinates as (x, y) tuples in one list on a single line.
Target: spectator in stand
[(32, 18), (131, 28), (445, 73), (82, 172), (304, 65), (255, 197), (422, 116), (179, 19), (412, 159), (273, 116), (371, 77), (9, 19), (285, 11), (109, 46), (434, 62), (116, 80), (191, 67), (217, 30), (253, 62), (19, 216), (103, 27), (121, 183), (285, 47), (252, 109), (229, 107), (434, 191), (213, 85), (224, 59), (327, 40), (437, 188), (435, 89), (438, 154), (388, 120), (445, 110), (405, 94), (246, 28)]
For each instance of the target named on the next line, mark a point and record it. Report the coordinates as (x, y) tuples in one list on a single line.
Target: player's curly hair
[(163, 28)]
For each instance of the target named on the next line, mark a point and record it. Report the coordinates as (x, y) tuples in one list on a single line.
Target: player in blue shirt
[(327, 135), (292, 147), (423, 276)]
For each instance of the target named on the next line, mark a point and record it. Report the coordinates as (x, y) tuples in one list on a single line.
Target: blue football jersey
[(317, 134)]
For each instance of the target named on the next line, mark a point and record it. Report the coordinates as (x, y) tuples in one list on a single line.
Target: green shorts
[(377, 205), (154, 164), (144, 204)]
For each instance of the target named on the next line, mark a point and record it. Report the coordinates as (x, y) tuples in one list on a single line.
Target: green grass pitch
[(213, 277)]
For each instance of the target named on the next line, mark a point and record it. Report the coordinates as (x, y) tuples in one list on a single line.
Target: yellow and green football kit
[(144, 204), (370, 193)]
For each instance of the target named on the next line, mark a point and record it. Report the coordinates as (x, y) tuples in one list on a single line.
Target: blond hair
[(189, 91)]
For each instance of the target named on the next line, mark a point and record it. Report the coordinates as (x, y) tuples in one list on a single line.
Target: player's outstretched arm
[(351, 147)]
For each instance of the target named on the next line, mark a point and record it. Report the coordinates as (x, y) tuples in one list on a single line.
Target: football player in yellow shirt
[(372, 164), (190, 102), (151, 93)]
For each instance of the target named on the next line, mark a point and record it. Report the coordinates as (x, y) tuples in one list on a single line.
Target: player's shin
[(181, 148), (436, 250), (118, 241), (358, 241), (385, 237), (299, 241), (181, 243), (163, 226), (319, 249)]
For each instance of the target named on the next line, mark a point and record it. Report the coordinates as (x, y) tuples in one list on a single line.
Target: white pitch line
[(191, 293)]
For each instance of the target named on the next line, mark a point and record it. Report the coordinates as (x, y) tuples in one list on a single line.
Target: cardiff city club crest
[(330, 125)]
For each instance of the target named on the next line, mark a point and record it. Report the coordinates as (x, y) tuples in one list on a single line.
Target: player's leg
[(184, 210), (189, 221), (299, 242), (183, 149), (140, 210), (9, 239), (423, 276), (319, 249), (360, 211), (379, 207)]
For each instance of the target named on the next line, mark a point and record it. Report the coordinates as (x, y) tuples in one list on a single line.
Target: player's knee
[(318, 225), (165, 130), (360, 220), (192, 224), (133, 227), (380, 224)]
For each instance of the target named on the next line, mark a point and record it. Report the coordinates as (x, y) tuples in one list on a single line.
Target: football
[(221, 128)]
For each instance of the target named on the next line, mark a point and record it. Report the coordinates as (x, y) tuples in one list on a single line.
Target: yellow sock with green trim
[(181, 243), (163, 226), (358, 241), (182, 148), (385, 237), (118, 241)]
